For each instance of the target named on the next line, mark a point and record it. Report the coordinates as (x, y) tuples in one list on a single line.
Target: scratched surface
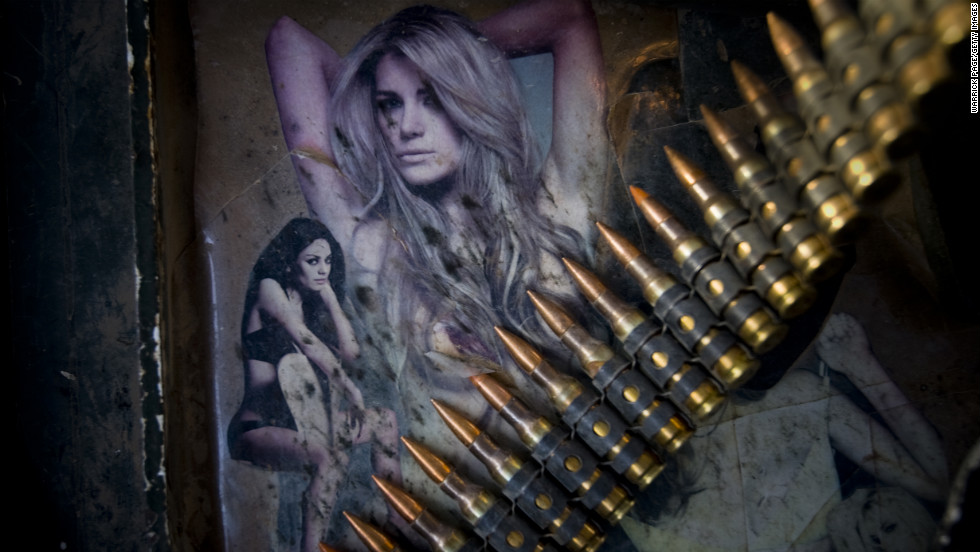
[(855, 443)]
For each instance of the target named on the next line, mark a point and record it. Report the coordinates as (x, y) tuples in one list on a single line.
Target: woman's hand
[(355, 411), (329, 297)]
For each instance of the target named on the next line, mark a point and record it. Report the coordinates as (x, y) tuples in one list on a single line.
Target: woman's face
[(314, 265), (424, 143)]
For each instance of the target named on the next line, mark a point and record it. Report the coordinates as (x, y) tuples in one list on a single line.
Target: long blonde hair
[(498, 176)]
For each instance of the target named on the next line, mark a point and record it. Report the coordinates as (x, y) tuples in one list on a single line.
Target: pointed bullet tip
[(406, 506), (685, 169), (371, 536), (719, 130), (520, 350), (432, 465), (537, 300), (638, 194), (788, 44), (465, 430), (492, 390), (587, 282), (621, 247), (750, 86), (572, 266), (554, 316)]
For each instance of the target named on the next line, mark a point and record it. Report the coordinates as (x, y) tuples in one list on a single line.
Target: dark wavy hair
[(278, 261)]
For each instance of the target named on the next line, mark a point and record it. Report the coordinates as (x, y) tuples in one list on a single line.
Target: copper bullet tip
[(521, 351), (492, 390), (587, 282), (324, 547), (406, 506), (721, 132), (557, 319), (784, 37), (638, 194), (685, 169), (465, 430), (749, 84), (371, 536), (654, 211), (669, 228), (756, 93), (432, 465), (621, 247), (826, 12), (789, 46)]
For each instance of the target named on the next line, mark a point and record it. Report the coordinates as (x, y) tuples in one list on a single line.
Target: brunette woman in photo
[(291, 417)]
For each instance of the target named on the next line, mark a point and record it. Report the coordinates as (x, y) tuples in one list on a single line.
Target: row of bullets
[(887, 72), (673, 370), (614, 438)]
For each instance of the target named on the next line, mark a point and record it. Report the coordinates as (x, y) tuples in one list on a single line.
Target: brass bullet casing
[(859, 73), (775, 210), (949, 24), (631, 392), (917, 63), (522, 482), (373, 538), (690, 321), (716, 281), (490, 517), (743, 242), (572, 464), (821, 193), (829, 119), (441, 536), (594, 422), (685, 382)]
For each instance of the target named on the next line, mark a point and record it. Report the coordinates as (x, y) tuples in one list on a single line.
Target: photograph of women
[(379, 186)]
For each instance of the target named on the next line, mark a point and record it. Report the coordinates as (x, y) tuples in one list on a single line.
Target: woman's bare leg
[(305, 397), (283, 449), (381, 428)]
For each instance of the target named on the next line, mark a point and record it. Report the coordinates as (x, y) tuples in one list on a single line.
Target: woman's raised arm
[(576, 164), (289, 313), (302, 68), (347, 344), (274, 301)]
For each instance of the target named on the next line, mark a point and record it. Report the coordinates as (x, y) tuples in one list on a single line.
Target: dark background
[(97, 207)]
